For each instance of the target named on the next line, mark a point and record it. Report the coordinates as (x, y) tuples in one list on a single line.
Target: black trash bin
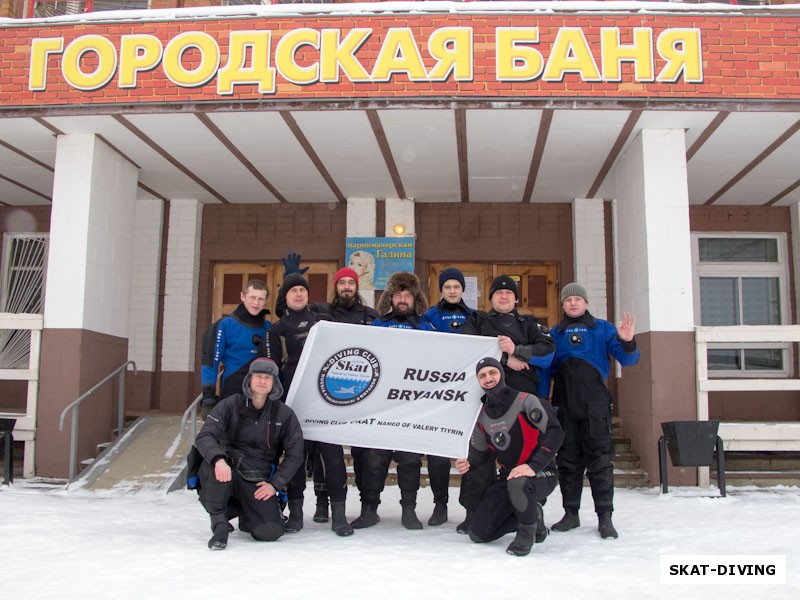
[(691, 444), (7, 446)]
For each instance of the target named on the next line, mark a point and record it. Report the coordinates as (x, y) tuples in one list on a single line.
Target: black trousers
[(334, 472), (507, 503), (376, 468), (475, 483), (225, 500), (588, 448), (439, 477), (358, 464)]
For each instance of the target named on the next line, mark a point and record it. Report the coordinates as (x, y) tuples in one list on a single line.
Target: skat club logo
[(348, 376)]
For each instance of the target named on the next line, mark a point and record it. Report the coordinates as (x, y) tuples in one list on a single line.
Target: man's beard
[(404, 312), (347, 301)]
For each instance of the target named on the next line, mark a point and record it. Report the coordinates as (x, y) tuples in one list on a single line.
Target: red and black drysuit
[(513, 428)]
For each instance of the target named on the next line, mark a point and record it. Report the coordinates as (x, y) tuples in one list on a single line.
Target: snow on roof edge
[(388, 8)]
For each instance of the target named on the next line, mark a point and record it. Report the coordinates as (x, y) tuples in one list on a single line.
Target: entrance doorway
[(537, 283), (229, 278)]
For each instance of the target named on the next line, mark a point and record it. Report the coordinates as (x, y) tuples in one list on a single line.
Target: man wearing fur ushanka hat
[(401, 307), (403, 303)]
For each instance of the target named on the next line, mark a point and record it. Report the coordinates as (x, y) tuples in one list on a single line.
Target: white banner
[(396, 389)]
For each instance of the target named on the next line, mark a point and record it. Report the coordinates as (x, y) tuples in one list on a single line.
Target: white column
[(148, 226), (361, 222), (589, 249), (400, 211), (794, 211), (181, 284), (652, 241), (91, 238)]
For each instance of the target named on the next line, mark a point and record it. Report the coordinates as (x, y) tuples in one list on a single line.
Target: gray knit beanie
[(573, 289)]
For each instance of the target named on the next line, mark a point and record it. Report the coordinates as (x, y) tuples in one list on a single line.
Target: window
[(741, 279), (22, 291)]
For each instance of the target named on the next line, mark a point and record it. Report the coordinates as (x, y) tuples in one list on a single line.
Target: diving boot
[(523, 541), (606, 527), (219, 528), (463, 527), (321, 514), (295, 522), (339, 523), (409, 517), (570, 520), (368, 517), (541, 529), (439, 516)]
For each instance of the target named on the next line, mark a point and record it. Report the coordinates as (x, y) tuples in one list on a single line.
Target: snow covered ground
[(87, 545)]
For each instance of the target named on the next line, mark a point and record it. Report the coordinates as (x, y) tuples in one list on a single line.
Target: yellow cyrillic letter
[(515, 62), (571, 54), (106, 62), (399, 54), (41, 49), (335, 55), (452, 48), (285, 56), (640, 53), (682, 50), (137, 53), (259, 72), (209, 59)]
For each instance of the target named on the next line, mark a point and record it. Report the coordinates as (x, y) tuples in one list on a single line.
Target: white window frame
[(8, 239), (779, 269)]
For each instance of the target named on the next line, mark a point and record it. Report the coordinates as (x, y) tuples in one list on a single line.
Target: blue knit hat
[(451, 273)]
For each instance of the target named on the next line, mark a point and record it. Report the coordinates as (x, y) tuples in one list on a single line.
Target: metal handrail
[(190, 414), (74, 406)]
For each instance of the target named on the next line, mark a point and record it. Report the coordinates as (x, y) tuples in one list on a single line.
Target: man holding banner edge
[(522, 434), (526, 346)]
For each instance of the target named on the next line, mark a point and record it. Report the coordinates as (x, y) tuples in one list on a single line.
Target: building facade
[(649, 152)]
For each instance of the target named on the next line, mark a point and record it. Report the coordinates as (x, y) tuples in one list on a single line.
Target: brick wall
[(183, 259), (589, 241), (496, 232), (744, 56), (146, 274)]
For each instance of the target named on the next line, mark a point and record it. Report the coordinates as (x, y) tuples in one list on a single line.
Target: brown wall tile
[(72, 361), (661, 387)]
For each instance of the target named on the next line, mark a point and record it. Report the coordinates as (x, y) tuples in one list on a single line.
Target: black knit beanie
[(504, 282)]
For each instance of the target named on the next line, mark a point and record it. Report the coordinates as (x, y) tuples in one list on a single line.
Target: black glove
[(291, 264)]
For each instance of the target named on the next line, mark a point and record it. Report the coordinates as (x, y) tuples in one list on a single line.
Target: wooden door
[(229, 278), (477, 276), (538, 290), (538, 286)]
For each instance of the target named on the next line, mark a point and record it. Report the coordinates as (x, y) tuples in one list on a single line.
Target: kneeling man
[(521, 432), (241, 442)]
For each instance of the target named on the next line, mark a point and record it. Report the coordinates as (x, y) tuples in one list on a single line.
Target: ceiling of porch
[(472, 152)]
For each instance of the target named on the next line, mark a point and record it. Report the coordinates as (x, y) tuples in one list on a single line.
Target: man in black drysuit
[(284, 344), (242, 441)]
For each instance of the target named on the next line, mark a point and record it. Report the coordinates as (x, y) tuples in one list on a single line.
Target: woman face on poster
[(363, 263)]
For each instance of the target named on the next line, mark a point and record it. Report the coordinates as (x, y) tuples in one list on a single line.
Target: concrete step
[(627, 461), (759, 478), (762, 461)]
